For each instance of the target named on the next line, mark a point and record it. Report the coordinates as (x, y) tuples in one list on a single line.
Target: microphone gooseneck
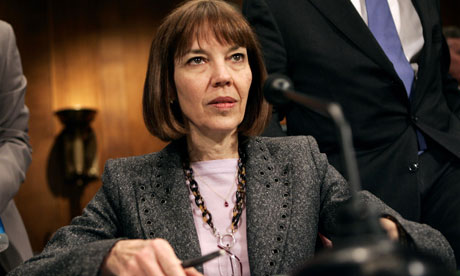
[(361, 247)]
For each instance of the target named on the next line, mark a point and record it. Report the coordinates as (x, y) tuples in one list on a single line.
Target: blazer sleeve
[(263, 22), (80, 248), (260, 17), (334, 193), (426, 239), (15, 151)]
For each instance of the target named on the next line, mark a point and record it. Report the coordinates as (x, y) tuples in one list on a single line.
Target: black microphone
[(279, 90), (359, 229)]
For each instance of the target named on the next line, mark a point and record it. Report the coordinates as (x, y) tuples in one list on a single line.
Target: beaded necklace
[(224, 198), (226, 240)]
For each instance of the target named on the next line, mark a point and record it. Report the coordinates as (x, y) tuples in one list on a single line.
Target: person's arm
[(264, 24), (334, 192), (101, 240), (80, 248), (15, 151), (260, 17)]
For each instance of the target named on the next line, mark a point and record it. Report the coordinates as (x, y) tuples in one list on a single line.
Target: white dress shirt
[(407, 24)]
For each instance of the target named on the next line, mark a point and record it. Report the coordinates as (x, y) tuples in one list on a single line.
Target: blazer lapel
[(267, 209), (347, 20), (170, 199)]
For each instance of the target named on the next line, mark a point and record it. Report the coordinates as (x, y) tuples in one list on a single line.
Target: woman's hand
[(391, 228), (144, 257)]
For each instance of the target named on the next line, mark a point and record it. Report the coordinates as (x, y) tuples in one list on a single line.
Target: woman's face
[(212, 82)]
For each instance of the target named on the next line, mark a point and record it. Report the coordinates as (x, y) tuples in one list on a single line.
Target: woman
[(215, 185)]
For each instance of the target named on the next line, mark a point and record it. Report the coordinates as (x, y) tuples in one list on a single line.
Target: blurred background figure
[(15, 151), (452, 34)]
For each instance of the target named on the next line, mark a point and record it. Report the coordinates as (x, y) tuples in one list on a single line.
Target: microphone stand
[(361, 246)]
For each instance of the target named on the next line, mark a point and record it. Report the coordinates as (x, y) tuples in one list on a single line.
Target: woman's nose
[(221, 76)]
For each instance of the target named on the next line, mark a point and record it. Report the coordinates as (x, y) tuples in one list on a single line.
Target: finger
[(191, 271), (391, 228), (327, 243), (166, 258)]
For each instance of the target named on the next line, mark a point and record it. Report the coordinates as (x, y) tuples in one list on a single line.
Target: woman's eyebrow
[(233, 48), (196, 51), (202, 51)]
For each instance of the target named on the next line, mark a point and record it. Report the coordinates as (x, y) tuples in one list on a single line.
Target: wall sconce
[(79, 145)]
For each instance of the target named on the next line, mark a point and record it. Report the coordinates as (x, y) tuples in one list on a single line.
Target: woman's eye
[(196, 60), (237, 57)]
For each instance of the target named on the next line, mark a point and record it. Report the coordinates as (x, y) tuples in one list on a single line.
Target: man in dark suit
[(406, 134)]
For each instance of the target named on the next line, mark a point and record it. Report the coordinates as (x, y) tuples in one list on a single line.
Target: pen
[(202, 259)]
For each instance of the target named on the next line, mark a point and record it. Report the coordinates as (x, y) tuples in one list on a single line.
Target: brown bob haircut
[(196, 19)]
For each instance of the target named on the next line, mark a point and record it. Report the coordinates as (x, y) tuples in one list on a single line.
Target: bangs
[(211, 20)]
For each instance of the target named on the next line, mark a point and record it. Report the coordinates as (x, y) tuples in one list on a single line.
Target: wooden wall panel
[(81, 53)]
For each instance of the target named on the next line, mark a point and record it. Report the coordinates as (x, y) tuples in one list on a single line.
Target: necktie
[(382, 26)]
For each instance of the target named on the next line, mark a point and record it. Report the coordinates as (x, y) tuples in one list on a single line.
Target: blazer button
[(414, 118), (413, 167)]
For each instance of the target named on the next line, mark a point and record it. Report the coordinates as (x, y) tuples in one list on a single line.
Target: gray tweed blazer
[(292, 191)]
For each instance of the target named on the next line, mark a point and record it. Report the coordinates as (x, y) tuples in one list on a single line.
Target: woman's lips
[(223, 102)]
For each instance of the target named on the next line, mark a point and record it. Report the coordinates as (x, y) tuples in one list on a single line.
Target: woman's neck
[(206, 147)]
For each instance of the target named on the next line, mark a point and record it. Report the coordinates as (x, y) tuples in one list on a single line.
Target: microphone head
[(274, 87)]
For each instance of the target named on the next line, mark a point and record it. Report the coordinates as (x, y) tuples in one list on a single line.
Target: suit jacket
[(291, 192), (327, 50), (15, 151)]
